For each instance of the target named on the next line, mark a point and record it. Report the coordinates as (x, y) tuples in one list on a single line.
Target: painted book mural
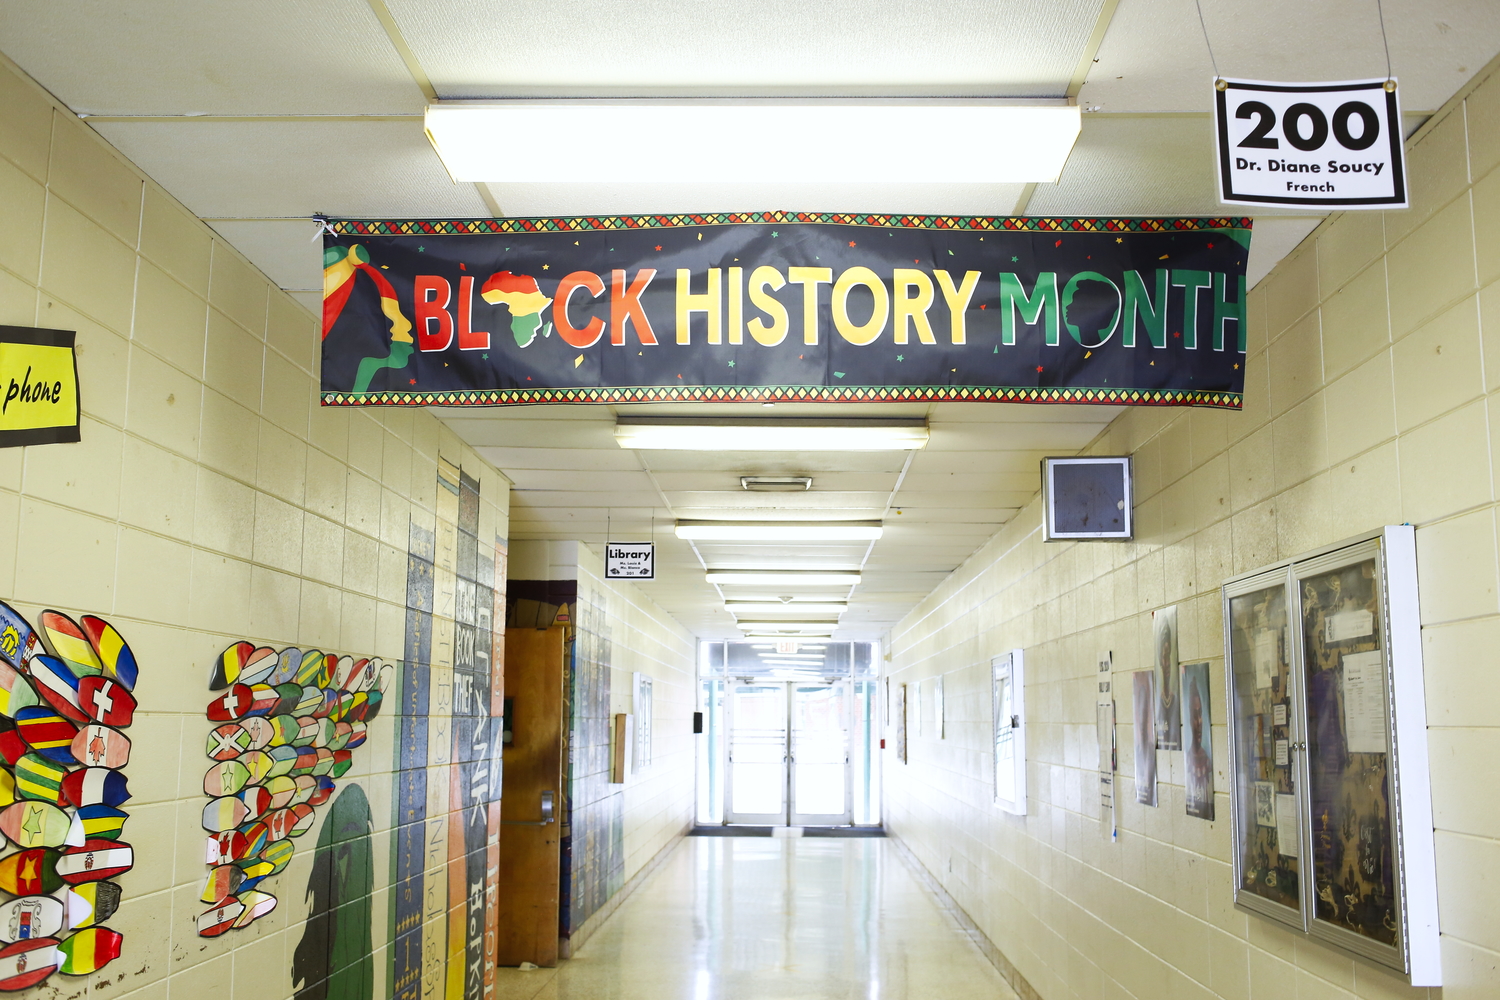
[(65, 699)]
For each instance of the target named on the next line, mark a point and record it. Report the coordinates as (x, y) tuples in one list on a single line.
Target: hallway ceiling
[(258, 116)]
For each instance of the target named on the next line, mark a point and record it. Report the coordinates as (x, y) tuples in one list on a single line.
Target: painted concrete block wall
[(658, 804), (1371, 398), (210, 500), (617, 829)]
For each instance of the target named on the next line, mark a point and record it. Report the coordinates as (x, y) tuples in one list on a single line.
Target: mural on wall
[(335, 960), (65, 696), (289, 722), (446, 855)]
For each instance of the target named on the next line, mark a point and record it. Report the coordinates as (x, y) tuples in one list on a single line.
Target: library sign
[(773, 306), (38, 387)]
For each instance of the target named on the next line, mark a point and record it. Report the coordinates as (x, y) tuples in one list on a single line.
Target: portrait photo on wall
[(1168, 692), (1143, 691), (1197, 741)]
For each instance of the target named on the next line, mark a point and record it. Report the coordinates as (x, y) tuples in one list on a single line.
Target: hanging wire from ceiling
[(1385, 41), (1209, 45)]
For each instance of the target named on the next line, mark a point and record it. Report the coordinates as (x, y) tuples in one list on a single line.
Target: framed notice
[(1008, 698), (38, 387), (1330, 802), (643, 715)]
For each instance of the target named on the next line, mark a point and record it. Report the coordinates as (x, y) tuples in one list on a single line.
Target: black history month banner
[(772, 306)]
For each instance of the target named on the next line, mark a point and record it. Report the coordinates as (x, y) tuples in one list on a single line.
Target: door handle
[(547, 816)]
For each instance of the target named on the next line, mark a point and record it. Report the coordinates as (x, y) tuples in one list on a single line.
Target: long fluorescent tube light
[(779, 531), (786, 434), (777, 578), (816, 622), (777, 608), (986, 141)]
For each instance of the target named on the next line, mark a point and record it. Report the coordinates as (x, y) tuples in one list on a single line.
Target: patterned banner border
[(791, 394), (613, 223)]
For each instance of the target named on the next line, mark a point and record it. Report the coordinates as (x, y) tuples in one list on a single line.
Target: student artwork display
[(1329, 796), (65, 696), (801, 307), (287, 724), (1168, 684), (1198, 741), (1143, 692)]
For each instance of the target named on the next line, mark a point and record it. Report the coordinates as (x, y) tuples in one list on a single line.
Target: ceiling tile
[(286, 250), (485, 48), (294, 169), (210, 57), (1154, 58), (641, 199)]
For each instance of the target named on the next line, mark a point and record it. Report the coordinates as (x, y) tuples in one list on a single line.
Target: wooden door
[(529, 861)]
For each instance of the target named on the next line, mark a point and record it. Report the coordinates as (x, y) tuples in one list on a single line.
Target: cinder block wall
[(210, 500), (1370, 399)]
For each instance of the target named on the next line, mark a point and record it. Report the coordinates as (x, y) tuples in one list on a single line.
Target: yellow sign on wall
[(38, 387)]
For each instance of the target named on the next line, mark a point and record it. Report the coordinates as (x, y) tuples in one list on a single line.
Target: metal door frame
[(788, 815)]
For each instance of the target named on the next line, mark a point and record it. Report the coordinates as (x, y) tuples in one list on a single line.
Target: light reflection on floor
[(758, 918)]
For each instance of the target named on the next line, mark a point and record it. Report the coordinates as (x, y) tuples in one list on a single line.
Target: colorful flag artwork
[(285, 723), (65, 694)]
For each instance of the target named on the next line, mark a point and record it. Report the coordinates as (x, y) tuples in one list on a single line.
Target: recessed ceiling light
[(779, 531), (1004, 142), (785, 434), (779, 577)]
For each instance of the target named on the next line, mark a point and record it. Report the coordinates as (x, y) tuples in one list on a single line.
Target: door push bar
[(547, 816)]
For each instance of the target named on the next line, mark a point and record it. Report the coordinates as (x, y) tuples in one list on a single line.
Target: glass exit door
[(756, 789), (788, 753)]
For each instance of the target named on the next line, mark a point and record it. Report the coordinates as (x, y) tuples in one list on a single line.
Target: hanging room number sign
[(1306, 145)]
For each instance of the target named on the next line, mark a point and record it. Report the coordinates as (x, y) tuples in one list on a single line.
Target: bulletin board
[(1330, 801)]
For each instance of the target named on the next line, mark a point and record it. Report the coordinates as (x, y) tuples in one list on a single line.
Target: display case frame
[(1349, 756)]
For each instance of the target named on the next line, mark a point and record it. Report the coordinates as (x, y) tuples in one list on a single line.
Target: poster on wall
[(768, 306), (1109, 756), (1167, 682), (901, 723), (38, 387), (66, 692), (1198, 741), (1143, 691)]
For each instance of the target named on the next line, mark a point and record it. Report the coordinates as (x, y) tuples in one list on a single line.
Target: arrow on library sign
[(630, 560), (1305, 145)]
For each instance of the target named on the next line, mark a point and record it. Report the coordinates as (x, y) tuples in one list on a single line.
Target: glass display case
[(1329, 795)]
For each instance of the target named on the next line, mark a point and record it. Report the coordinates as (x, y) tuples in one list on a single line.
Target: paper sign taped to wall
[(38, 387)]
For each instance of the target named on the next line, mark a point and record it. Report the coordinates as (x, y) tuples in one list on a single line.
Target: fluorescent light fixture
[(788, 624), (785, 577), (790, 577), (815, 633), (849, 140), (792, 608), (817, 657), (785, 434), (779, 531)]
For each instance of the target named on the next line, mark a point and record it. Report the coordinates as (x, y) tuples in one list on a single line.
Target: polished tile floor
[(756, 918)]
